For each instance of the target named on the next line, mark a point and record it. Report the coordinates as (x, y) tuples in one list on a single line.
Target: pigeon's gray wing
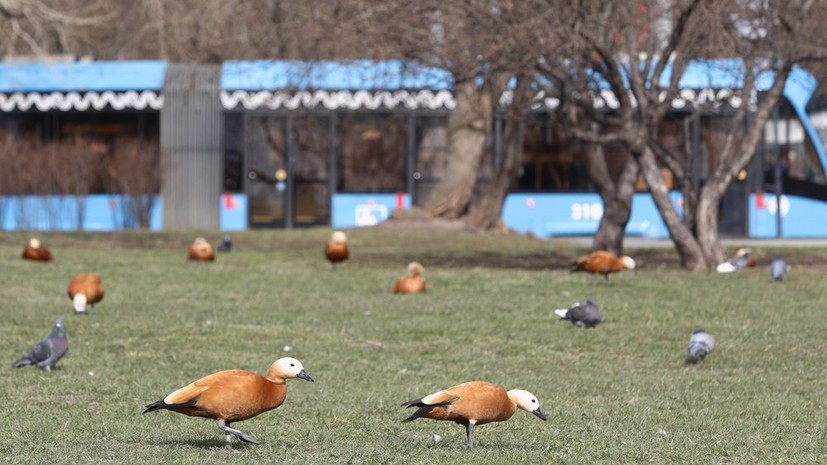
[(586, 315), (59, 346), (778, 269), (41, 351)]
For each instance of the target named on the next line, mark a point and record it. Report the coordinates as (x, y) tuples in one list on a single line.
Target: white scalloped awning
[(338, 99), (712, 99), (66, 101)]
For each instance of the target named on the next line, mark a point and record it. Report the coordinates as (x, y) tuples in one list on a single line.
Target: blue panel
[(548, 215), (233, 216), (331, 75), (101, 212), (800, 216), (82, 76), (355, 210)]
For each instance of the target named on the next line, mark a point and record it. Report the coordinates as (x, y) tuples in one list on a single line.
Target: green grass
[(617, 394)]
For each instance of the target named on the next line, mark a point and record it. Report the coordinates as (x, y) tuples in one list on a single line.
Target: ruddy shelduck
[(201, 250), (85, 289), (474, 403), (602, 262), (335, 248), (742, 260), (37, 251), (413, 282), (234, 395)]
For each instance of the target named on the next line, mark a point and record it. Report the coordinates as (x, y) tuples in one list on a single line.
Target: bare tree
[(620, 53)]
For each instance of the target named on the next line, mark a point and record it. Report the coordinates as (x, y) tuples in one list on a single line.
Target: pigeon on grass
[(778, 268), (701, 344), (46, 353), (585, 315)]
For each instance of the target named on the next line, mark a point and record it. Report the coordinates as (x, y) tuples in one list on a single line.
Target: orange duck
[(602, 262), (413, 282), (36, 251), (474, 403), (201, 250), (233, 395), (85, 289), (335, 248)]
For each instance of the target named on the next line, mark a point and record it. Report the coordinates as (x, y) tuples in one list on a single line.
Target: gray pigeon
[(47, 352), (701, 344), (778, 268), (226, 244), (583, 315)]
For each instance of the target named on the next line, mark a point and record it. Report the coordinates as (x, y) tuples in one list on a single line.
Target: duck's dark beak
[(303, 375), (540, 414)]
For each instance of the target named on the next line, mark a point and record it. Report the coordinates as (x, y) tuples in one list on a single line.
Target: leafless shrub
[(134, 169)]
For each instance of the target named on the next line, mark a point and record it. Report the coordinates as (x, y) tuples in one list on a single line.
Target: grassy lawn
[(617, 394)]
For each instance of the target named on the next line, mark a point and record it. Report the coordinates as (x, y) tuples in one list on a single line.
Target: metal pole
[(777, 174), (410, 169)]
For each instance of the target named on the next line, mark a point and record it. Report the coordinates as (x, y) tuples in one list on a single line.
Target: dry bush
[(134, 169)]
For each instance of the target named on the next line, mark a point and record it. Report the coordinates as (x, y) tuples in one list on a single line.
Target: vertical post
[(332, 162), (290, 156), (410, 162), (696, 154), (777, 174)]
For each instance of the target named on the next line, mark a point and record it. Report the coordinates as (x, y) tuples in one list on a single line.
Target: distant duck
[(779, 268), (474, 403), (335, 248), (742, 260), (85, 289), (412, 283), (585, 315), (37, 251), (226, 244), (233, 395), (201, 250), (602, 262)]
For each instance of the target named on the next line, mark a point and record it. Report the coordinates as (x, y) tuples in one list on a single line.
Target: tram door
[(287, 172)]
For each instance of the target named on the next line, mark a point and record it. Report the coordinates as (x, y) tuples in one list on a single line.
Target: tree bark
[(692, 257), (487, 213), (616, 196), (469, 125)]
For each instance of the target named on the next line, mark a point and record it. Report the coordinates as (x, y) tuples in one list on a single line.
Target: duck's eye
[(292, 364), (533, 401)]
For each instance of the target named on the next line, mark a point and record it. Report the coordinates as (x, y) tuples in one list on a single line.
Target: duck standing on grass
[(85, 289), (234, 395), (336, 249), (474, 403), (602, 262)]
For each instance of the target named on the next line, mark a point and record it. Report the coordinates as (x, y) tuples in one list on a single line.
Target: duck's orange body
[(85, 289), (229, 395), (602, 262), (412, 283), (335, 248), (201, 250), (474, 403), (233, 395), (36, 251)]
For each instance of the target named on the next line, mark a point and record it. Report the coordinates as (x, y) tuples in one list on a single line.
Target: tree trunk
[(487, 213), (468, 127), (616, 196), (692, 256)]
